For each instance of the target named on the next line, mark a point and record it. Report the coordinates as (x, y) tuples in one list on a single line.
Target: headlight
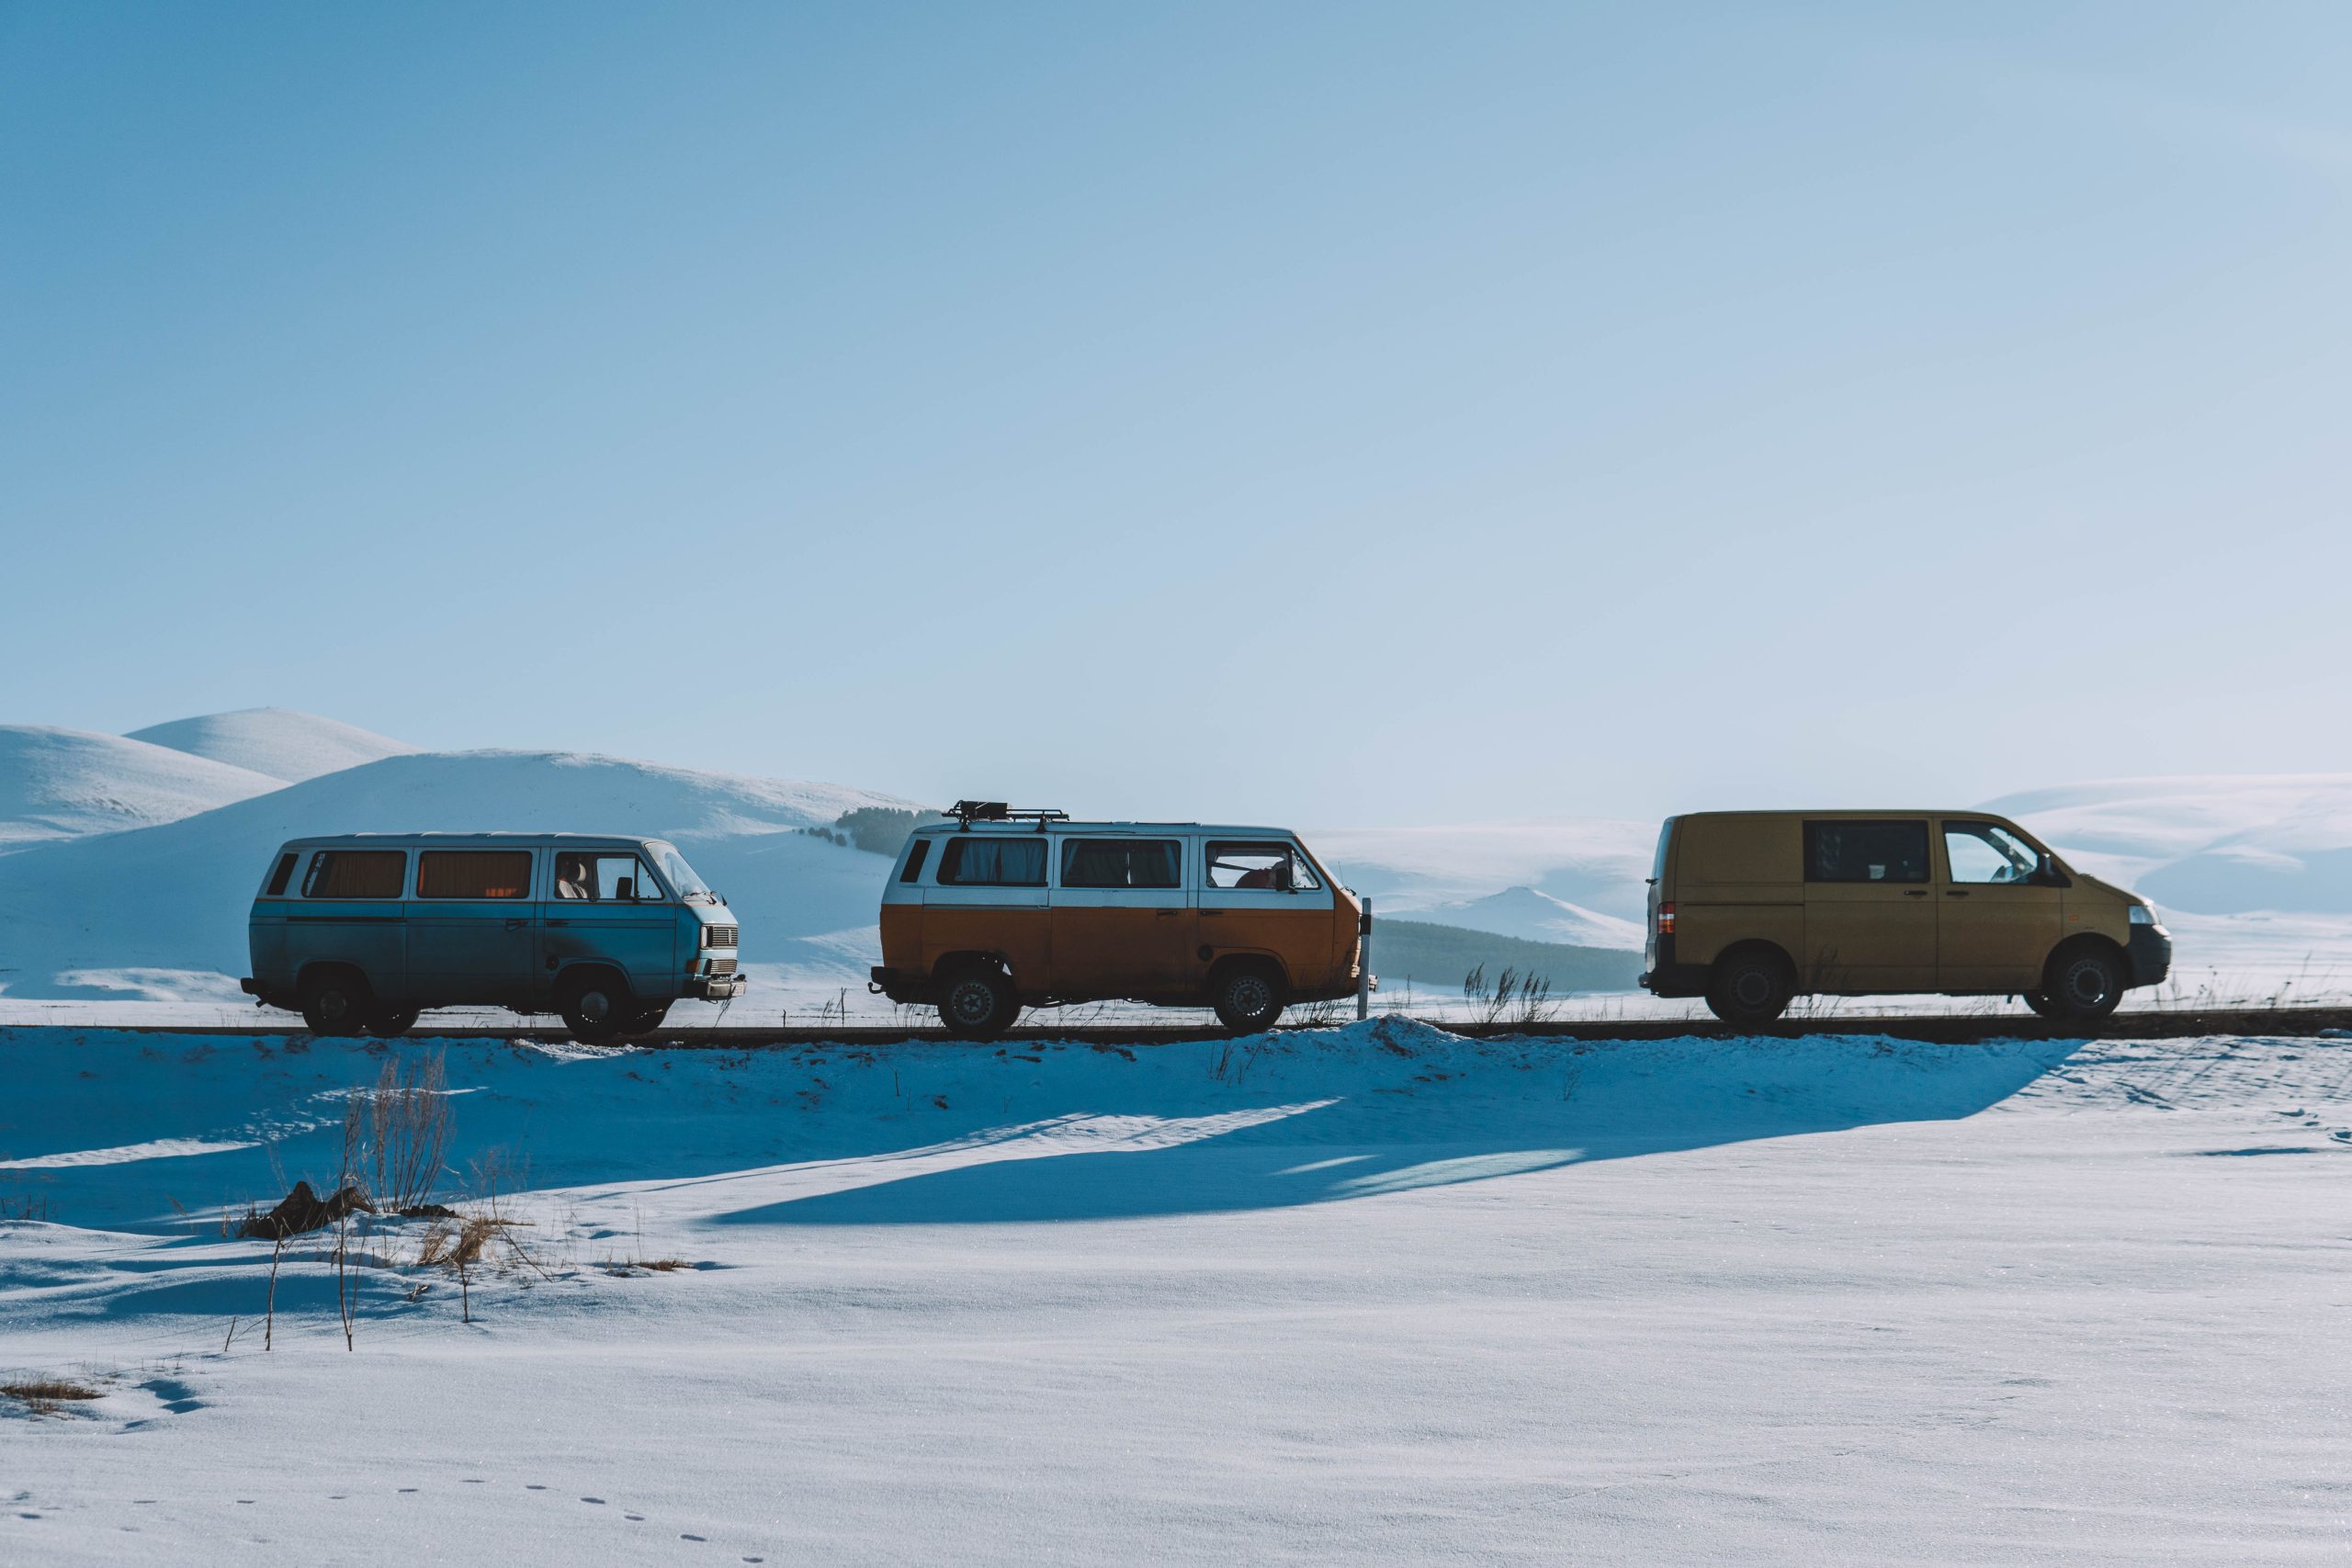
[(2144, 914)]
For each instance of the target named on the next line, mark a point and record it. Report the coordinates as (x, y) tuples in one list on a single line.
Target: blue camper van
[(363, 932)]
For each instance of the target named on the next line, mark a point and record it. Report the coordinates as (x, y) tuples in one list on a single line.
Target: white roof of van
[(388, 841), (1220, 828)]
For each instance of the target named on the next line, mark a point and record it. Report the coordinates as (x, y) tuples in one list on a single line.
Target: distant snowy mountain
[(2215, 844), (62, 784), (1532, 916), (160, 912), (1593, 863), (279, 742)]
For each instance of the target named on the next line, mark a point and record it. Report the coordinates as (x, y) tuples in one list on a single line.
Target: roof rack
[(968, 812)]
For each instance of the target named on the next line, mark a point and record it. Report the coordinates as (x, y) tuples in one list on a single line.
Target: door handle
[(516, 925), (1207, 913), (559, 922), (1166, 914), (1907, 892), (1955, 893)]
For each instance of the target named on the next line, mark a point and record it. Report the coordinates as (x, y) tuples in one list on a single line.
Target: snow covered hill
[(2218, 844), (1596, 862), (160, 913), (62, 784), (1538, 916), (279, 742)]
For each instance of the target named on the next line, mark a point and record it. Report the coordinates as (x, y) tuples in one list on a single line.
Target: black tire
[(596, 1006), (338, 1003), (2041, 1002), (977, 1003), (1249, 997), (1751, 986), (389, 1023), (646, 1020), (2084, 984)]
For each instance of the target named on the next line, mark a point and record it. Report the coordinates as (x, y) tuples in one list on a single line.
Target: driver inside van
[(572, 878)]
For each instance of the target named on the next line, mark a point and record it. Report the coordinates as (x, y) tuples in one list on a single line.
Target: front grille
[(722, 966), (719, 936)]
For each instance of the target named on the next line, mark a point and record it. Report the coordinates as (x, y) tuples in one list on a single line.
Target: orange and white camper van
[(1001, 910)]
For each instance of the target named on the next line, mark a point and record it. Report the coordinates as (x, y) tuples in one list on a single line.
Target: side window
[(473, 874), (1985, 852), (356, 874), (916, 854), (992, 861), (1866, 851), (1120, 862), (283, 874), (1274, 866), (603, 878)]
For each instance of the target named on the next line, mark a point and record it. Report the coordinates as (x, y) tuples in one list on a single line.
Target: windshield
[(681, 875)]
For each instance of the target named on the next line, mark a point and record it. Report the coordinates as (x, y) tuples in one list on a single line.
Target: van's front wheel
[(596, 1008), (1249, 997), (2084, 984), (389, 1022), (1750, 987)]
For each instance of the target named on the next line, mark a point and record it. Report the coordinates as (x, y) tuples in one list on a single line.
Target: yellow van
[(1000, 909), (1749, 909)]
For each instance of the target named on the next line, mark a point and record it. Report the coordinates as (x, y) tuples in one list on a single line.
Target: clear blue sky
[(1356, 413)]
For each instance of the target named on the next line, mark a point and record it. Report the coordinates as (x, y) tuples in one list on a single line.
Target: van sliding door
[(1123, 920), (1870, 909)]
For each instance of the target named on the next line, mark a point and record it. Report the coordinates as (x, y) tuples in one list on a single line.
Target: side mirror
[(625, 890)]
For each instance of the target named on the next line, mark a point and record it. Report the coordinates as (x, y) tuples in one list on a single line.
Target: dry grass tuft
[(665, 1265), (43, 1396)]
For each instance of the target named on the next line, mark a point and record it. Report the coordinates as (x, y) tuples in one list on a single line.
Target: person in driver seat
[(572, 878)]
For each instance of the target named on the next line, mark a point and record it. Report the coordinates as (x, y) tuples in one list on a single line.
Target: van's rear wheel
[(1753, 986), (2086, 983), (338, 1003), (389, 1022), (596, 1008), (1249, 997), (977, 1003)]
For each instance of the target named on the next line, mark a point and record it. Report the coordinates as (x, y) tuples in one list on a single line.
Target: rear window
[(356, 874), (280, 876), (1664, 843), (915, 855), (1866, 851), (994, 862), (1119, 863), (473, 874)]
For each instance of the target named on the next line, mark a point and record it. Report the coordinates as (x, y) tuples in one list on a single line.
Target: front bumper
[(2149, 952), (714, 988)]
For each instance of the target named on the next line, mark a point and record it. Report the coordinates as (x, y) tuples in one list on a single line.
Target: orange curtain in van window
[(473, 874)]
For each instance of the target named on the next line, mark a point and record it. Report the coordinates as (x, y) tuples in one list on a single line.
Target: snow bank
[(279, 742)]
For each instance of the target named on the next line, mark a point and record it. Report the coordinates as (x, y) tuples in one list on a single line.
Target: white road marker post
[(1363, 962)]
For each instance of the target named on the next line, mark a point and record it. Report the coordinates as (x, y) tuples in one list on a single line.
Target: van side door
[(605, 906), (1870, 906), (349, 911), (473, 927), (1122, 917), (2000, 907), (1261, 895)]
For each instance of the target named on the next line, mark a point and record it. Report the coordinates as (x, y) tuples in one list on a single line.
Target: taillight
[(1665, 920)]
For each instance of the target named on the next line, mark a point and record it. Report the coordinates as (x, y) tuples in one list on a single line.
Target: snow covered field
[(1372, 1294)]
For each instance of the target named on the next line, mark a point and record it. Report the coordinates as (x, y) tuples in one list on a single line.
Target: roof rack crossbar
[(968, 812)]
